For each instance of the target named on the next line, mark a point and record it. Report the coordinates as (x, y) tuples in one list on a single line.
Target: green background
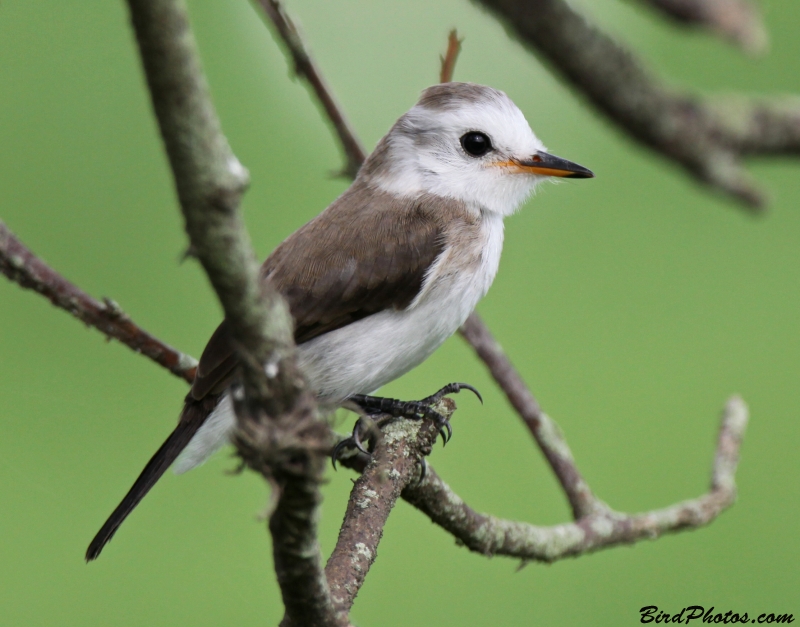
[(634, 305)]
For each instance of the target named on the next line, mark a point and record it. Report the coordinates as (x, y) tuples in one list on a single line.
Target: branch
[(694, 133), (450, 57), (739, 21), (546, 432), (22, 266), (602, 529), (208, 177), (761, 126), (279, 434), (397, 461), (306, 67)]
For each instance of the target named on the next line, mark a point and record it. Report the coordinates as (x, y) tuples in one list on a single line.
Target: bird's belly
[(365, 355)]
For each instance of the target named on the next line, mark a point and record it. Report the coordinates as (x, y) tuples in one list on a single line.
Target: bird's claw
[(399, 409), (361, 428), (446, 431), (451, 388)]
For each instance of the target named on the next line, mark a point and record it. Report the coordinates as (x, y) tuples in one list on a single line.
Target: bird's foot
[(413, 409), (366, 427)]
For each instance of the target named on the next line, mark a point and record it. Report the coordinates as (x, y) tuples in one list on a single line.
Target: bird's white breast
[(365, 355)]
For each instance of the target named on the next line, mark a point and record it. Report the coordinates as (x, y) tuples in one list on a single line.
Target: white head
[(467, 142)]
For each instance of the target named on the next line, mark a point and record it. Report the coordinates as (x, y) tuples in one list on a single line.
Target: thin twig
[(20, 265), (546, 432), (448, 61), (696, 133), (306, 67), (602, 529), (738, 21), (280, 434)]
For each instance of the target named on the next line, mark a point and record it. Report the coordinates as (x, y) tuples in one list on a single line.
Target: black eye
[(476, 144)]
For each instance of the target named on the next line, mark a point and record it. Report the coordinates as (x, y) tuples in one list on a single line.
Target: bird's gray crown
[(453, 96)]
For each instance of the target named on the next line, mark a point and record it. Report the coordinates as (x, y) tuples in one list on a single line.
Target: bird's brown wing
[(217, 364), (366, 253)]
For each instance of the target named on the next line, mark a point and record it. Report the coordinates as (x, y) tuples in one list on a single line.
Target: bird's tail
[(192, 417)]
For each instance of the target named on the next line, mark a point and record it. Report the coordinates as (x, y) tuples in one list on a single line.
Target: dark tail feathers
[(192, 417)]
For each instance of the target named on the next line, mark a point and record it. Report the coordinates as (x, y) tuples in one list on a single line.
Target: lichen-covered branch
[(306, 67), (23, 267), (738, 21), (544, 430), (398, 460), (280, 434), (604, 528), (698, 134)]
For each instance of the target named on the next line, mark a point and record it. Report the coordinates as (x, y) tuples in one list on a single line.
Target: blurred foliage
[(633, 304)]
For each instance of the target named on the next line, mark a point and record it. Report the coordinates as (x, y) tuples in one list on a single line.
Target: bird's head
[(467, 142)]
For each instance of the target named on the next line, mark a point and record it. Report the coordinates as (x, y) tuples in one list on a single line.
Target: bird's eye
[(476, 144)]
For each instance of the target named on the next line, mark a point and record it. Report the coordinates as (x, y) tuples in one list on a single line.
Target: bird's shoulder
[(369, 251)]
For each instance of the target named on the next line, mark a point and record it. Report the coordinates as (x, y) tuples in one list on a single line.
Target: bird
[(383, 276)]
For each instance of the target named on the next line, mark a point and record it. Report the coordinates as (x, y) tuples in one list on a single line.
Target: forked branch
[(603, 528)]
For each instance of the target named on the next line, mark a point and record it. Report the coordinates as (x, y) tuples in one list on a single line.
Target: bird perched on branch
[(382, 277)]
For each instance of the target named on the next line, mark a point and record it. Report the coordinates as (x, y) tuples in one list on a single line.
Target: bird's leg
[(415, 409), (393, 408)]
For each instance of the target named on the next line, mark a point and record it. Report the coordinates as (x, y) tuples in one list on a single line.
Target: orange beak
[(545, 164)]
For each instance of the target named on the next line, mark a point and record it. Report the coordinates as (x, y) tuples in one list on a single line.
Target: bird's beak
[(545, 164)]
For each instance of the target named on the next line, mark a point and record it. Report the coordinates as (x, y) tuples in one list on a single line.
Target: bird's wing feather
[(333, 274), (217, 364)]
